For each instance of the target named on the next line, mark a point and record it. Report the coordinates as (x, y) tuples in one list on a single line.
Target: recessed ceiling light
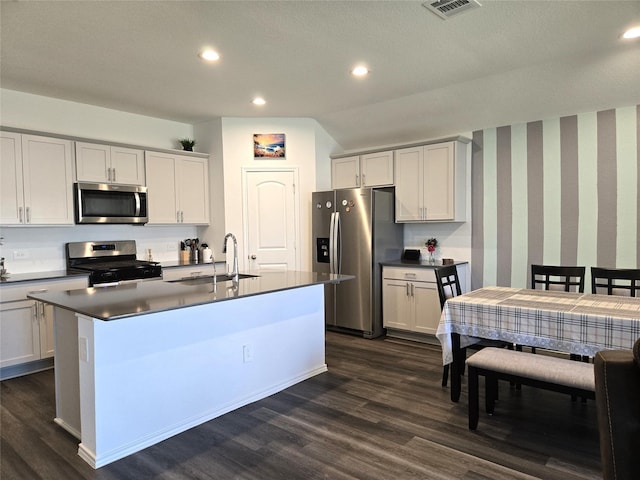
[(360, 71), (258, 101), (209, 55), (632, 33)]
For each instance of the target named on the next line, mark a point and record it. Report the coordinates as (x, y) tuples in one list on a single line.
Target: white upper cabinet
[(36, 179), (370, 170), (431, 183), (345, 172), (177, 189), (108, 164)]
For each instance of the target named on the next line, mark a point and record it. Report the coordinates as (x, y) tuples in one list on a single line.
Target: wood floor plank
[(378, 413)]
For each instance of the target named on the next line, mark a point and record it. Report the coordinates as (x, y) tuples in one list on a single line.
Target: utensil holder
[(184, 256)]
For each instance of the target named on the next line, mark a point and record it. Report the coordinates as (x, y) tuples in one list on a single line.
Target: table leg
[(456, 380)]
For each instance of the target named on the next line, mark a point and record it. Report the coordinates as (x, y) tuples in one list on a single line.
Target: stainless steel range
[(110, 262)]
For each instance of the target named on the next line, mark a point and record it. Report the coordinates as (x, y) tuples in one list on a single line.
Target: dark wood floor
[(378, 413)]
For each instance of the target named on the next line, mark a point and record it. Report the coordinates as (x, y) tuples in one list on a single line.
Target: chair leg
[(491, 393), (474, 408), (445, 375)]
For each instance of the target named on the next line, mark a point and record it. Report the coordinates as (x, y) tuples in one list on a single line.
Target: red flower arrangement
[(431, 244)]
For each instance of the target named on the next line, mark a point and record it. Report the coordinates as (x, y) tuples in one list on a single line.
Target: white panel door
[(47, 169), (409, 185), (377, 169), (93, 162), (11, 185), (127, 166), (161, 188), (439, 181), (272, 222)]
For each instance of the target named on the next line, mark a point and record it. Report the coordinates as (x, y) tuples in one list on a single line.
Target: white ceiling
[(507, 62)]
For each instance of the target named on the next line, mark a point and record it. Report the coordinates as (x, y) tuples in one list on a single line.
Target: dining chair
[(558, 277), (615, 281), (448, 284), (552, 277)]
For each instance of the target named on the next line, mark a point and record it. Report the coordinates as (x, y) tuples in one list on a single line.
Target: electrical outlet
[(247, 353), (20, 254)]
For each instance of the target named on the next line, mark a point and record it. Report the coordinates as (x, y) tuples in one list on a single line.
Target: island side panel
[(66, 371), (149, 377)]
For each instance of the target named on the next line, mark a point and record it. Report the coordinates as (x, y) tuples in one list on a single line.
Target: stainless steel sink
[(209, 279)]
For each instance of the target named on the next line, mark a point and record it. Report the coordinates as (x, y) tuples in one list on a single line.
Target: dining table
[(568, 322)]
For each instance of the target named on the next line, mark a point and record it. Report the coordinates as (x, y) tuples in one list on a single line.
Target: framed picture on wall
[(268, 145)]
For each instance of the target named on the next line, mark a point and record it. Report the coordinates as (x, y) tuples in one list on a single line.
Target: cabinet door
[(427, 307), (345, 172), (396, 305), (127, 166), (45, 318), (439, 181), (93, 162), (48, 180), (192, 179), (377, 169), (161, 188), (409, 185), (19, 333), (11, 184)]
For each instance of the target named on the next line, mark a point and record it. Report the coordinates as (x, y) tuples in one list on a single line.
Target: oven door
[(104, 203)]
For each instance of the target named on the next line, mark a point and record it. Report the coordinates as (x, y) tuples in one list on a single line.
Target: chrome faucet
[(234, 273), (215, 280)]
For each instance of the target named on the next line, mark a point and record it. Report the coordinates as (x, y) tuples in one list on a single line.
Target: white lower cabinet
[(26, 326), (410, 299)]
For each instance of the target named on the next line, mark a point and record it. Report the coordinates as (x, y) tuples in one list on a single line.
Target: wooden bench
[(541, 371)]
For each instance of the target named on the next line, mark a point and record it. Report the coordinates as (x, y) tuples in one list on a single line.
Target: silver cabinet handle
[(21, 220), (407, 285), (413, 292), (181, 216), (114, 174), (364, 179), (28, 214), (357, 179), (108, 174)]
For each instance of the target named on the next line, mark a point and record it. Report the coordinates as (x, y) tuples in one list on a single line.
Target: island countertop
[(128, 300)]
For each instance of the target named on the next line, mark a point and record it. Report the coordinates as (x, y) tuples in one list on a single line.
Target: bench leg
[(474, 408), (491, 393), (445, 375)]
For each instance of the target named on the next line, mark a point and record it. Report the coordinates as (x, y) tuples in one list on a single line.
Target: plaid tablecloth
[(563, 321)]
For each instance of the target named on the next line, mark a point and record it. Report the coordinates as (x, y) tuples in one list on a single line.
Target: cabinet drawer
[(19, 291), (409, 274)]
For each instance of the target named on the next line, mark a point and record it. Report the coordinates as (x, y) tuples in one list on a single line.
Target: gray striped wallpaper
[(563, 191)]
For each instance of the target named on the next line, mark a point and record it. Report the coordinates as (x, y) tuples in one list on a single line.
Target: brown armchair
[(617, 379)]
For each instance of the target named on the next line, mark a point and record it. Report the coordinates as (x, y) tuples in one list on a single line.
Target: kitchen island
[(138, 363)]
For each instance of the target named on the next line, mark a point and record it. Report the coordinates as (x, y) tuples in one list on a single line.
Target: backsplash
[(41, 249)]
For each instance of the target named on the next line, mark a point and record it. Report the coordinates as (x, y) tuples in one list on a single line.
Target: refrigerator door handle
[(332, 243), (335, 250)]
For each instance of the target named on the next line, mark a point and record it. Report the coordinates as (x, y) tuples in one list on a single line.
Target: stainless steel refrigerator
[(353, 231)]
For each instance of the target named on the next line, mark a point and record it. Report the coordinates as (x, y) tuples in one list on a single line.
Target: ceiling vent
[(448, 8)]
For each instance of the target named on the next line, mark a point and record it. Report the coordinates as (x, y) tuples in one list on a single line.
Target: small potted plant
[(187, 144)]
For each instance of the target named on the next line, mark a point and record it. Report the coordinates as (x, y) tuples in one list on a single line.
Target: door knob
[(253, 257)]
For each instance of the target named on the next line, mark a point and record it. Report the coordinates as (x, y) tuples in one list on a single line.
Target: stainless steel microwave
[(106, 203)]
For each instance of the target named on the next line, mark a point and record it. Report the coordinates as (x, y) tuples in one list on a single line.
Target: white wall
[(35, 112), (306, 146), (45, 246)]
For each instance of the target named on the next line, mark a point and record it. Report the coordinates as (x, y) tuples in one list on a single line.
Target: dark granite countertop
[(128, 300), (417, 263)]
